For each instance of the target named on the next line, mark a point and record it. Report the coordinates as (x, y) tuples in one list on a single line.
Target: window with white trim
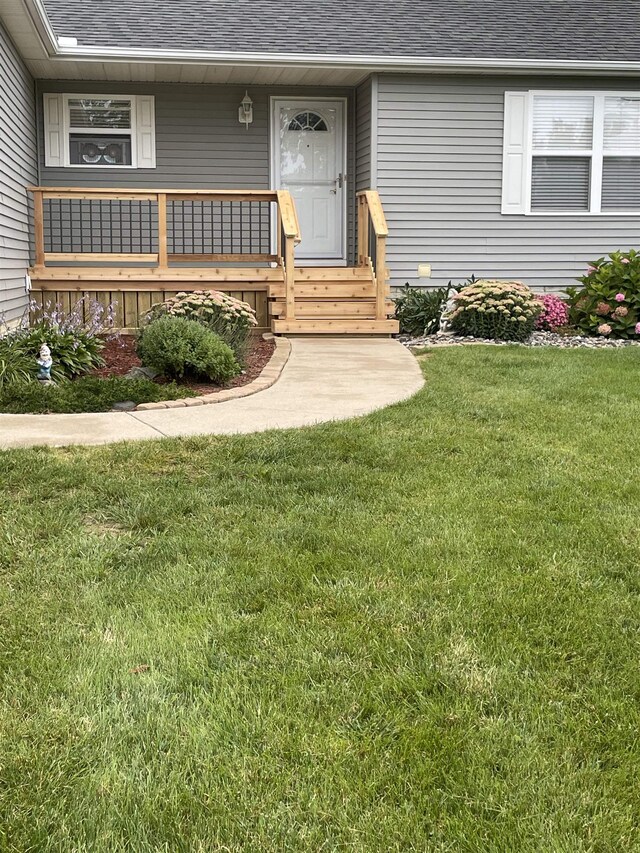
[(571, 152), (99, 131)]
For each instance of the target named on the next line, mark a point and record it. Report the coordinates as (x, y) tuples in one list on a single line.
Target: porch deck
[(136, 248)]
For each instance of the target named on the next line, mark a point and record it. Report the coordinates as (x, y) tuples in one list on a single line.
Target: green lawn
[(416, 631)]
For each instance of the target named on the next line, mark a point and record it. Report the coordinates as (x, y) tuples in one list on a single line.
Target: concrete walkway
[(325, 379)]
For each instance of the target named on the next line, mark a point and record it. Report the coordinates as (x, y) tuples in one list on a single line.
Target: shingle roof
[(589, 30)]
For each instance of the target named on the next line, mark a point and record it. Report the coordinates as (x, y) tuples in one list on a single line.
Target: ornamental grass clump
[(496, 310), (555, 313), (16, 365), (608, 303), (228, 317)]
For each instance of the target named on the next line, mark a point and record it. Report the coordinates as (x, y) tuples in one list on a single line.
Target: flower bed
[(120, 357), (85, 367)]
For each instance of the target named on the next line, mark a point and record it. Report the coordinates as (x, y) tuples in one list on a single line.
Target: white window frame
[(596, 153), (66, 129)]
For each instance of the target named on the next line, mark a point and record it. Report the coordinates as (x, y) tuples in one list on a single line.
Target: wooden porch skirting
[(131, 305)]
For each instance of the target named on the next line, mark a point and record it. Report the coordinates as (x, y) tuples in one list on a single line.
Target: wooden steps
[(331, 301)]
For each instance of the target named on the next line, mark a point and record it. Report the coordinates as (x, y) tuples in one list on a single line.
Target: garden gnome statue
[(45, 362), (447, 311)]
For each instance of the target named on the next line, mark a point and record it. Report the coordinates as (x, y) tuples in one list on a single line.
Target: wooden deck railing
[(372, 244), (79, 225)]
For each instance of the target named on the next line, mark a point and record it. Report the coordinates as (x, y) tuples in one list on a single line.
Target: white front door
[(308, 147)]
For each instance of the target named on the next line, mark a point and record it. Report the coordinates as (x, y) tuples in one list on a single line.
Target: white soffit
[(55, 69)]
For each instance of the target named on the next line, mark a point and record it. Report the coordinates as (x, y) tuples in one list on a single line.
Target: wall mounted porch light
[(245, 111)]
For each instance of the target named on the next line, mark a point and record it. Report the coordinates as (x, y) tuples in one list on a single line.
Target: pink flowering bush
[(500, 310), (228, 317), (555, 313), (608, 303)]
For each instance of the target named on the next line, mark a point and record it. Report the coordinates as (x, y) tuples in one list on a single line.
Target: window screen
[(621, 183), (560, 183), (103, 113), (561, 122)]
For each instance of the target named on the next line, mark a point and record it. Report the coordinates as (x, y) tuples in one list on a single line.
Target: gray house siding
[(439, 173), (199, 141), (363, 135), (18, 169)]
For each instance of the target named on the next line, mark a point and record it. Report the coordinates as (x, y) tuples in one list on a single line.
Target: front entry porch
[(137, 247)]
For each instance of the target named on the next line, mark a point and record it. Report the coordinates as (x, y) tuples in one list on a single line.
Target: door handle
[(339, 183)]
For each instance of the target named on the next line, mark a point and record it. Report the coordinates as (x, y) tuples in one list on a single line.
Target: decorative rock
[(124, 406), (141, 373), (537, 339)]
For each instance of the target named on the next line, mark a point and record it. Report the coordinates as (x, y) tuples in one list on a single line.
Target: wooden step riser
[(325, 308), (333, 274), (335, 327), (334, 290)]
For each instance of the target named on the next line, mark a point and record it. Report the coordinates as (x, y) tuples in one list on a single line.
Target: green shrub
[(15, 364), (176, 348), (228, 317), (608, 303), (499, 310), (86, 394), (418, 310)]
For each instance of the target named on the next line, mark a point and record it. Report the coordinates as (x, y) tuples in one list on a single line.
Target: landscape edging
[(269, 374)]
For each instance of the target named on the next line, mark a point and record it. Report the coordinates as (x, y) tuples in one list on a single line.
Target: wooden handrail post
[(288, 220), (38, 228), (278, 232), (163, 261), (359, 215), (381, 277), (289, 278), (363, 230)]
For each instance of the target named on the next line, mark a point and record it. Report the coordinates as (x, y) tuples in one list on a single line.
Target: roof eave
[(42, 25), (367, 62)]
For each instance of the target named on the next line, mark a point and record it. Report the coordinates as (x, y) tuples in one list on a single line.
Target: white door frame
[(274, 167)]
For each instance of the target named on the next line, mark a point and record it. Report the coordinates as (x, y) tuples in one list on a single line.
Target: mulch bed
[(120, 356)]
